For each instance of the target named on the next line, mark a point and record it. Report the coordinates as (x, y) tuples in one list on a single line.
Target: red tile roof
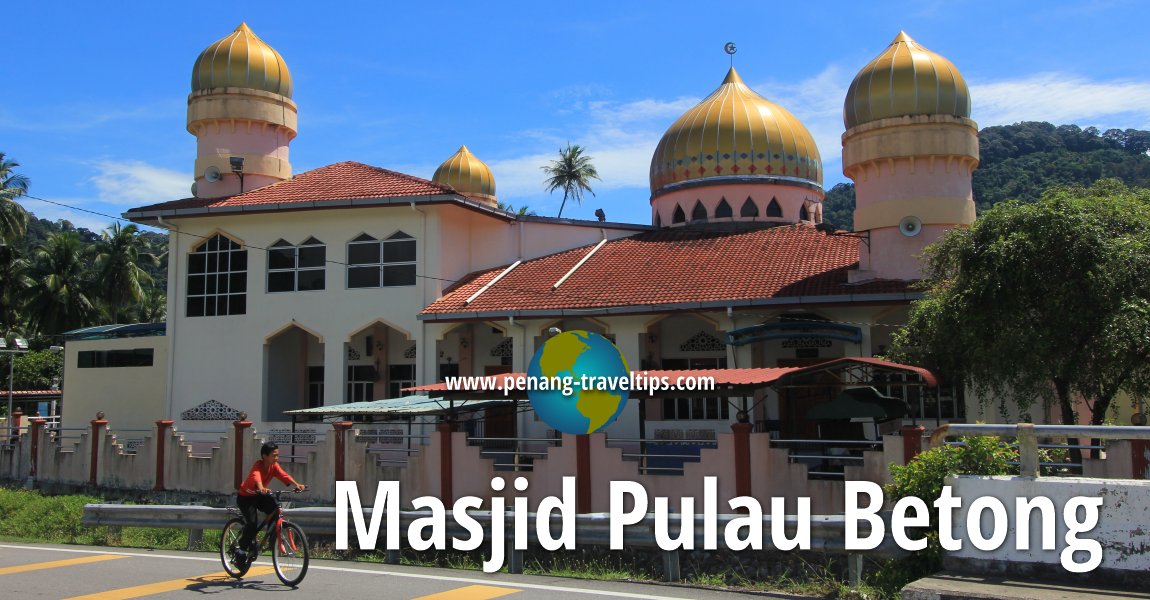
[(342, 181), (673, 266)]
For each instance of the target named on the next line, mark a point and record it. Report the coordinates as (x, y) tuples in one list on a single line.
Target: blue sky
[(94, 100)]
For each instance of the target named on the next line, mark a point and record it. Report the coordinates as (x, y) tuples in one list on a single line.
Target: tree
[(13, 218), (572, 173), (521, 211), (14, 282), (1046, 302), (58, 300), (118, 256)]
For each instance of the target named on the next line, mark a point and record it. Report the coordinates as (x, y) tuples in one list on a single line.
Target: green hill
[(1020, 161)]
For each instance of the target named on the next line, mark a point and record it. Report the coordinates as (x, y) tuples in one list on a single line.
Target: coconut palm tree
[(14, 281), (120, 280), (154, 308), (572, 173), (59, 300), (13, 218)]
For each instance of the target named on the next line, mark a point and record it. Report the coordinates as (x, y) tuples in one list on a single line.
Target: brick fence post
[(161, 447), (239, 427), (742, 449), (98, 427), (445, 474), (911, 441), (582, 473), (37, 427), (341, 428)]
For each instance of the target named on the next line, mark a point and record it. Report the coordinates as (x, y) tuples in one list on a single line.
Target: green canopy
[(859, 403), (406, 406)]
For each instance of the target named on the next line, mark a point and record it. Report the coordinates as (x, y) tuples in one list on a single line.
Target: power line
[(561, 294)]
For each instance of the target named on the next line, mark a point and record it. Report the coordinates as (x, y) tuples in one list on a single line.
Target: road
[(95, 573)]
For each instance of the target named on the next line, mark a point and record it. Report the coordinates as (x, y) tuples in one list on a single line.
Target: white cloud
[(135, 183), (1061, 99)]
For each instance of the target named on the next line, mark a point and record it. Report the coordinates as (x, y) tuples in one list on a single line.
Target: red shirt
[(262, 474)]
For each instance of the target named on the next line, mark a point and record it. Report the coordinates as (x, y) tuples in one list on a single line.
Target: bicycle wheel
[(229, 543), (290, 554)]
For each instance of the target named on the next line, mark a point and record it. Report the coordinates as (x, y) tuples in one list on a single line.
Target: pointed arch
[(297, 325), (699, 213), (804, 215), (749, 209), (679, 216), (774, 209), (723, 210)]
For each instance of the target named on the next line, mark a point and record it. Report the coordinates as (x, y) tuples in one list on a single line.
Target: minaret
[(910, 148), (240, 111)]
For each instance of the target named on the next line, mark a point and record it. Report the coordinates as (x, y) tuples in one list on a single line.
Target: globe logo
[(578, 382)]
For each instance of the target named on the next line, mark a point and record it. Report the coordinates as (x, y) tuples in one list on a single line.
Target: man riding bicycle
[(254, 494)]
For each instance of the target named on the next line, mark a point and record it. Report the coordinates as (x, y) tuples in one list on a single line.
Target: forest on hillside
[(1021, 161)]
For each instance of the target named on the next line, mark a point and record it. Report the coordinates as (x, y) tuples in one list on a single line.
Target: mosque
[(352, 282)]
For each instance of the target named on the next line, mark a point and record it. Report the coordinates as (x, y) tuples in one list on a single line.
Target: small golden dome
[(906, 79), (242, 60), (467, 174), (736, 134)]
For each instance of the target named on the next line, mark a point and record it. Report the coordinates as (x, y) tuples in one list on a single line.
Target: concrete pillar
[(1140, 459)]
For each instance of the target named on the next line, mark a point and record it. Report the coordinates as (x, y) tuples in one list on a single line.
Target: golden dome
[(242, 60), (906, 79), (467, 174), (736, 134)]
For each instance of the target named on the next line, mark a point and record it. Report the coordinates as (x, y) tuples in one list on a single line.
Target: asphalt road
[(55, 571)]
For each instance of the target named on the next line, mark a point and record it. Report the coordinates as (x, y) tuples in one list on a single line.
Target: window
[(100, 359), (678, 409), (679, 216), (399, 377), (360, 383), (803, 214), (314, 387), (699, 213), (773, 209), (749, 208), (296, 268), (217, 279), (381, 263), (723, 210)]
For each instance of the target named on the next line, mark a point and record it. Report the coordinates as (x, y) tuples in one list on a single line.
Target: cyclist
[(254, 496)]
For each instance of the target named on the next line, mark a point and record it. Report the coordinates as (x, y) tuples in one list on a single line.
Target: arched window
[(699, 213), (381, 263), (723, 210), (658, 220), (217, 278), (296, 268), (679, 216), (773, 209), (803, 214), (749, 209)]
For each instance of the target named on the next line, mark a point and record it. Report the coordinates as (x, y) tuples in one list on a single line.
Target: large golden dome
[(736, 134), (242, 60), (906, 79), (467, 174)]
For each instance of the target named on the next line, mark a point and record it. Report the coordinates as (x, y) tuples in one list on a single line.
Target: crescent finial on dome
[(735, 133)]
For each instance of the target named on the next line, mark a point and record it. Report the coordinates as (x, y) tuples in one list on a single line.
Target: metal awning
[(408, 406)]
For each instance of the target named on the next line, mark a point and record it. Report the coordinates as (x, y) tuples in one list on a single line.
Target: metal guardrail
[(593, 529), (1028, 435)]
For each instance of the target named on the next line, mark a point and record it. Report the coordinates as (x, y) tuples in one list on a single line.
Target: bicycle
[(289, 549)]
